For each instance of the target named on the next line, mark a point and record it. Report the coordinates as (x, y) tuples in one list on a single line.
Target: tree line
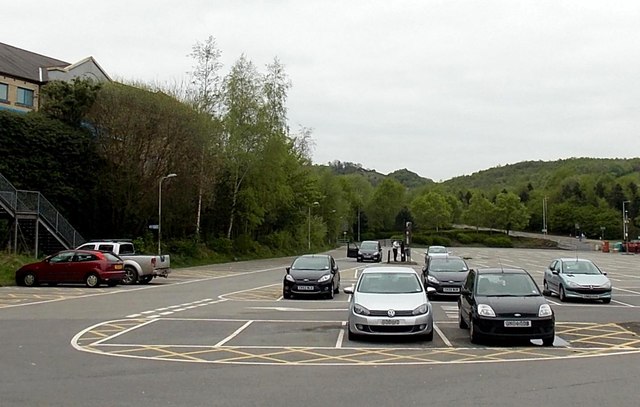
[(245, 180)]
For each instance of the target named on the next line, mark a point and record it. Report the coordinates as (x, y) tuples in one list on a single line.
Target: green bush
[(498, 241)]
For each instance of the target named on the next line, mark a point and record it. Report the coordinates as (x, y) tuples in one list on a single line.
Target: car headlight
[(606, 285), (432, 279), (572, 284), (485, 310), (288, 277), (359, 309), (376, 253), (545, 311), (324, 278), (421, 310), (359, 253)]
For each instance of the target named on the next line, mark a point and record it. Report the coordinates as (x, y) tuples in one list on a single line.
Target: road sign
[(153, 227)]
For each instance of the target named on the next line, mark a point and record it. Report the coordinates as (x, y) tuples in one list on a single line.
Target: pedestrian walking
[(395, 248)]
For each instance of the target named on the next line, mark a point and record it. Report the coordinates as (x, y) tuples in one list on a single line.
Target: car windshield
[(389, 283), (506, 284), (369, 246), (310, 263), (437, 250), (448, 265), (580, 267)]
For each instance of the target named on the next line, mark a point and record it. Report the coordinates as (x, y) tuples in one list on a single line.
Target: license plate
[(590, 296), (305, 287), (517, 324), (451, 289), (390, 322)]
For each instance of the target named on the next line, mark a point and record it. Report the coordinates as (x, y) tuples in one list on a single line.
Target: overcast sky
[(443, 88)]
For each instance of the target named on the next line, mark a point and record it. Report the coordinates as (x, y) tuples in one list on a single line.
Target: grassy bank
[(9, 263)]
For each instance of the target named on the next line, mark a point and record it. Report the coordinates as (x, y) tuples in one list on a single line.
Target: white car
[(389, 301), (435, 251)]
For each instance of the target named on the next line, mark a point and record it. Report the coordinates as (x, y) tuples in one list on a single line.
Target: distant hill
[(543, 174), (407, 178)]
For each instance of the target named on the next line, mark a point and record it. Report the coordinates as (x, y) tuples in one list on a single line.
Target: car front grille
[(392, 329), (379, 313), (586, 290)]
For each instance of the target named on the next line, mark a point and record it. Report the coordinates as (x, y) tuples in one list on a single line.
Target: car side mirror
[(431, 290), (554, 271), (288, 269), (465, 291), (334, 270), (348, 290), (604, 273)]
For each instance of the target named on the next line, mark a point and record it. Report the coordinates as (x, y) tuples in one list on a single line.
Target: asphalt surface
[(221, 335)]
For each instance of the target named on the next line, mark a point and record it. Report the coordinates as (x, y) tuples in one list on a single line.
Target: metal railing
[(34, 203)]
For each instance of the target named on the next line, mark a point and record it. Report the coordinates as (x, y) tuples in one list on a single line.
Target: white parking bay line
[(233, 335), (341, 336), (441, 335)]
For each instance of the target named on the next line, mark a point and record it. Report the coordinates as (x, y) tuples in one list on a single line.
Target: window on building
[(25, 97), (4, 92)]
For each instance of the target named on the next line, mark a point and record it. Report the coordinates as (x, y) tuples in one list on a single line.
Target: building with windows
[(23, 73)]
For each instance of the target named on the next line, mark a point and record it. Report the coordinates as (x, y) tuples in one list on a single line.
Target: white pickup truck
[(138, 267)]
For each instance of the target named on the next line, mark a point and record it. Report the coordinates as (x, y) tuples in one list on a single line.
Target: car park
[(504, 303), (73, 266), (576, 278), (312, 274), (370, 250), (389, 301), (446, 275)]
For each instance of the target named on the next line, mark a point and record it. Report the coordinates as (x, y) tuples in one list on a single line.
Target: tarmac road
[(222, 335)]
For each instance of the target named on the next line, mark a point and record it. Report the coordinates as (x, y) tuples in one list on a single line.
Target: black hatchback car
[(312, 274), (446, 275), (504, 303)]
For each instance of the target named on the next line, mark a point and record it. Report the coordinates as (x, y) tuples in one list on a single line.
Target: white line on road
[(441, 335), (233, 335), (341, 335)]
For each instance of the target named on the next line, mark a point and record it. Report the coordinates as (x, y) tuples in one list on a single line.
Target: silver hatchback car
[(389, 301)]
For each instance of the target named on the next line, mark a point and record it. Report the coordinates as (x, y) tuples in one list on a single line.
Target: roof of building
[(26, 64)]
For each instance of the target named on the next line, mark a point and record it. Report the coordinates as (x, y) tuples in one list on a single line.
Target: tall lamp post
[(309, 228), (625, 221), (160, 207)]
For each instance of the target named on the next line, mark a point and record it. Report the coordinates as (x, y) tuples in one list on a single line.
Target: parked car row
[(493, 302)]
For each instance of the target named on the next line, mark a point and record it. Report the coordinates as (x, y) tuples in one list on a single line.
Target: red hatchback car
[(73, 266)]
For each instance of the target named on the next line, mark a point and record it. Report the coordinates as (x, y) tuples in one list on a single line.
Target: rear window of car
[(126, 248), (111, 257)]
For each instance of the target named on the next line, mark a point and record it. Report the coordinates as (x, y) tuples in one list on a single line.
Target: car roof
[(501, 270), (572, 259), (447, 258), (388, 269)]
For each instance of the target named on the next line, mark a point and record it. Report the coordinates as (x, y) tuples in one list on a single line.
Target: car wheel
[(352, 335), (92, 280), (29, 280), (146, 279), (561, 294), (545, 289), (461, 322), (606, 300), (473, 335), (548, 341), (337, 289), (428, 337), (130, 276), (331, 294)]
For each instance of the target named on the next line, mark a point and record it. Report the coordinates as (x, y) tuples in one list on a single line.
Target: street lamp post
[(309, 228), (625, 221), (160, 207)]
